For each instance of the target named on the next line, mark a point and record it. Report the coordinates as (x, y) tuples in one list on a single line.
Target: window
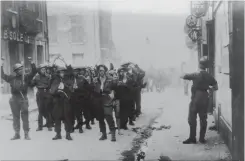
[(77, 29), (52, 27), (77, 58)]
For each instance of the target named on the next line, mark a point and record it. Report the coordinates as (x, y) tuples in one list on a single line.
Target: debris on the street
[(164, 158)]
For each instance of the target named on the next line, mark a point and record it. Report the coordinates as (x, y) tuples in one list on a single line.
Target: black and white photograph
[(122, 80)]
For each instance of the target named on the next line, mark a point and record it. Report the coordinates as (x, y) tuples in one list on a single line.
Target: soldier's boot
[(131, 123), (16, 136), (80, 129), (57, 136), (92, 122), (113, 135), (68, 136), (27, 137), (104, 136), (192, 137), (202, 134), (76, 127), (40, 128), (118, 126), (88, 126)]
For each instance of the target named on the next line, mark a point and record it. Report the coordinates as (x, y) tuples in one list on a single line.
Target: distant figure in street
[(19, 102), (202, 82)]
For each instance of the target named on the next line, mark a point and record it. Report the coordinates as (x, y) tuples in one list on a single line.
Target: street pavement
[(86, 146), (167, 142)]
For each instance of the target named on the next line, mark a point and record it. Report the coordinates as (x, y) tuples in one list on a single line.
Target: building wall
[(86, 51), (223, 99), (24, 34)]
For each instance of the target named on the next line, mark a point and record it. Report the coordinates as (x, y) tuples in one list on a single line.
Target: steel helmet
[(42, 66), (203, 62), (17, 66), (61, 68)]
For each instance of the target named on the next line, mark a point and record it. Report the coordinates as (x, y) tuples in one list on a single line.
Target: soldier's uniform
[(19, 101), (139, 86), (43, 97), (199, 101), (80, 100), (124, 94), (104, 104), (61, 89)]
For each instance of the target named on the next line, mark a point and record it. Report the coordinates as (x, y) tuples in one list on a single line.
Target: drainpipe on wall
[(1, 85), (47, 35)]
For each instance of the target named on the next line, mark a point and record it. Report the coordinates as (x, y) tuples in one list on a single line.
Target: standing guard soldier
[(61, 90), (104, 99), (19, 102), (202, 81), (43, 97)]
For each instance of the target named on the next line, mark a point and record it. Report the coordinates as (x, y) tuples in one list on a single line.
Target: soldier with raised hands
[(43, 97), (19, 102), (61, 89), (104, 95), (80, 98)]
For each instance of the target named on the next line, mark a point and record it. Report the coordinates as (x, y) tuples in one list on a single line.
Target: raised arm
[(33, 72), (4, 76), (191, 76)]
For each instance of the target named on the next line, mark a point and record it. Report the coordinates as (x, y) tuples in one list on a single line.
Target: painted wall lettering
[(16, 36)]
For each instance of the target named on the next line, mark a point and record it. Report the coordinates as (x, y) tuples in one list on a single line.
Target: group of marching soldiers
[(76, 96)]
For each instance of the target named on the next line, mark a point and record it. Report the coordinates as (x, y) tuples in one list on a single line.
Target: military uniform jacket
[(105, 91), (18, 87), (41, 81)]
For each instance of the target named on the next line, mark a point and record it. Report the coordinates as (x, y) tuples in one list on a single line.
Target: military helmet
[(17, 66), (42, 66), (61, 68), (203, 62), (76, 67)]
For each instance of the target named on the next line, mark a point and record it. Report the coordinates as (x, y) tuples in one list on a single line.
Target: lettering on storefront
[(16, 36)]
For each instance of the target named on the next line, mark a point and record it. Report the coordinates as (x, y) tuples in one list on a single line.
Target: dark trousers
[(132, 111), (138, 101), (44, 103), (109, 119), (198, 105), (108, 116), (80, 107), (62, 111), (126, 111), (19, 107)]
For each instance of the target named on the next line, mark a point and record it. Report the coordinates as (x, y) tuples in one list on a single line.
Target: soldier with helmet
[(19, 102), (202, 82), (42, 82), (61, 89)]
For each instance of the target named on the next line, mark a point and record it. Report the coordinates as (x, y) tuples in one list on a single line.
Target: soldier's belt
[(43, 89)]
